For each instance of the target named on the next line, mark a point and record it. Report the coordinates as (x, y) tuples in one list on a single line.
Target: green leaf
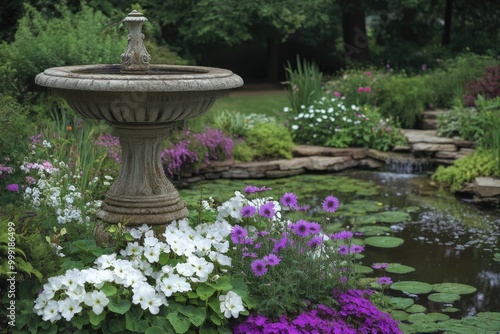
[(222, 284), (196, 315), (359, 269), (205, 291), (400, 303), (415, 308), (389, 217), (442, 297), (458, 288), (450, 309), (116, 325), (384, 242), (374, 230), (415, 287), (109, 290), (180, 323), (398, 315), (396, 268), (120, 306), (96, 319), (154, 330)]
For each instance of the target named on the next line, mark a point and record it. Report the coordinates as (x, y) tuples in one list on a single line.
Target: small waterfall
[(408, 165)]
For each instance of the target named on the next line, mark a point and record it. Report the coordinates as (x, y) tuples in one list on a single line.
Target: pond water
[(445, 239)]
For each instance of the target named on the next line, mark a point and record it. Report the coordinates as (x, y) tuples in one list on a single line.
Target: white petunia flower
[(68, 308), (231, 304), (97, 300)]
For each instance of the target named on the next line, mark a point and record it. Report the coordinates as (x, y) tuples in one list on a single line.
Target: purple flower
[(343, 250), (342, 235), (271, 259), (382, 265), (384, 280), (289, 199), (267, 210), (356, 249), (367, 89), (330, 204), (361, 89), (238, 234), (303, 208), (247, 254), (264, 188), (251, 189), (315, 242), (301, 228), (248, 211), (280, 244), (337, 94), (314, 228), (13, 187), (259, 267)]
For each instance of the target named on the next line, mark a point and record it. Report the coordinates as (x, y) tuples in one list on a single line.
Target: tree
[(354, 31)]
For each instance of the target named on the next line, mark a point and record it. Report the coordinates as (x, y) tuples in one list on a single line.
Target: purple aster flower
[(330, 204), (238, 234), (289, 199), (343, 280), (251, 189), (314, 228), (357, 249), (315, 242), (271, 259), (280, 244), (301, 228), (262, 233), (342, 235), (267, 210), (247, 254), (248, 211), (382, 265), (264, 188), (259, 267), (258, 245), (303, 208), (343, 250), (13, 187), (384, 280)]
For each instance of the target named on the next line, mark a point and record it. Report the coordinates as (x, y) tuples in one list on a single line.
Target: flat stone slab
[(307, 151), (487, 186), (426, 136), (433, 147)]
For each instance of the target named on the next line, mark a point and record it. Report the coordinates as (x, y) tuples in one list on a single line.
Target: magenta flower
[(248, 211), (259, 267), (314, 228), (289, 199), (267, 210), (357, 249), (368, 74), (361, 89), (382, 265), (303, 208), (246, 254), (343, 250), (342, 235), (251, 189), (384, 280), (337, 94), (367, 89), (238, 234), (13, 187), (272, 260), (30, 180), (280, 244), (330, 204), (301, 228)]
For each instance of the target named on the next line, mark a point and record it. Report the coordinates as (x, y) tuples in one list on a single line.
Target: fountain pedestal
[(142, 194)]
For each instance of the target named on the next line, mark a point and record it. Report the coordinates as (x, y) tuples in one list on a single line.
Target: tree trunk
[(354, 31), (448, 13), (273, 56)]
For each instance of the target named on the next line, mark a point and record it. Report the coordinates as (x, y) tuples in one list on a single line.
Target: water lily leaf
[(390, 217), (384, 242), (366, 281), (362, 206), (484, 325), (444, 297), (415, 287), (458, 288), (424, 326), (400, 303), (450, 309), (438, 316), (396, 268), (374, 230), (496, 257), (415, 308), (489, 315), (419, 317), (398, 315), (454, 326), (362, 269)]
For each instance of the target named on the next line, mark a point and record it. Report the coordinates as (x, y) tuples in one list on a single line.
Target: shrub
[(480, 163), (304, 83), (488, 86), (269, 141), (329, 122)]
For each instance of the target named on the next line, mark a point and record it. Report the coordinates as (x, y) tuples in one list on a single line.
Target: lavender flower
[(272, 260), (330, 204), (267, 210), (259, 267), (289, 199), (248, 211)]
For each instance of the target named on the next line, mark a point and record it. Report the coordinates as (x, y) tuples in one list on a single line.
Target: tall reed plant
[(304, 83)]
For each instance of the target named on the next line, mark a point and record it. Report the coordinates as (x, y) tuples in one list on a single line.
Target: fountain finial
[(135, 58)]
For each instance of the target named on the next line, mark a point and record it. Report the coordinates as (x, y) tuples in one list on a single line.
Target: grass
[(267, 103)]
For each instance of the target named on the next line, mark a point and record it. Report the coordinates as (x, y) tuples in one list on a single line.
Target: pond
[(446, 240)]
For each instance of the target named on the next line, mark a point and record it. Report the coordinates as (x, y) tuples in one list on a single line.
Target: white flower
[(68, 308), (174, 283), (133, 249), (152, 253), (51, 311), (97, 300), (105, 261), (231, 304), (286, 109), (295, 127)]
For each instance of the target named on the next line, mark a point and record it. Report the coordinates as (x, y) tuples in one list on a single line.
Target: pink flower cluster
[(366, 89)]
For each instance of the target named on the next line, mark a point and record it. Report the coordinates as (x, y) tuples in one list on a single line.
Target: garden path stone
[(487, 186)]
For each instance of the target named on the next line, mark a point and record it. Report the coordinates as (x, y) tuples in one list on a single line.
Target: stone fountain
[(142, 102)]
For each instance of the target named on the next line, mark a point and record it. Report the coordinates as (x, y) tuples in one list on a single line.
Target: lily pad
[(419, 317), (496, 257), (400, 303), (415, 308), (415, 287), (438, 316), (398, 315), (390, 217), (450, 310), (362, 269), (374, 230), (458, 288), (362, 206), (441, 297), (384, 242), (396, 268)]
